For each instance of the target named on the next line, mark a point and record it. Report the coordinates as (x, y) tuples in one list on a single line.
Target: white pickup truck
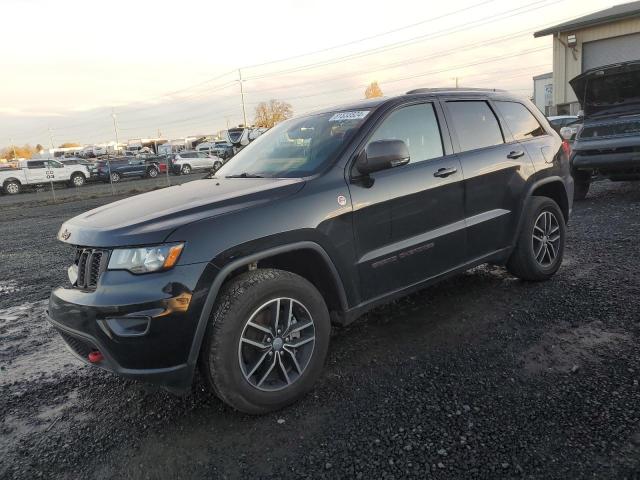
[(41, 172)]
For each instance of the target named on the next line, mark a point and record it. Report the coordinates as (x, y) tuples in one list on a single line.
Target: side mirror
[(381, 155)]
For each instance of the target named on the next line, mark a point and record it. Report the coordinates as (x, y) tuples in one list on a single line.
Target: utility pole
[(244, 113), (115, 128), (456, 79)]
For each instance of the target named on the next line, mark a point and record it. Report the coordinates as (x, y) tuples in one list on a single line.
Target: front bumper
[(143, 325)]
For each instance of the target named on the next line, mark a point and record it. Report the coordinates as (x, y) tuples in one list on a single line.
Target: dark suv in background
[(608, 143), (327, 216), (119, 168)]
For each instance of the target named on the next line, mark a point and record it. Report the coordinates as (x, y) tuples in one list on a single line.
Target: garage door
[(610, 50)]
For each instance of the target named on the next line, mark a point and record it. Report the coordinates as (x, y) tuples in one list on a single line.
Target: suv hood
[(609, 90), (150, 217)]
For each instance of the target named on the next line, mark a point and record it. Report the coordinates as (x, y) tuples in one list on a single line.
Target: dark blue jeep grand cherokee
[(319, 220)]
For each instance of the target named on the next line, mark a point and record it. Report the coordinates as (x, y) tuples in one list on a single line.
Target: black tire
[(186, 169), (523, 262), (114, 177), (581, 182), (152, 172), (217, 165), (220, 357), (12, 187), (77, 180)]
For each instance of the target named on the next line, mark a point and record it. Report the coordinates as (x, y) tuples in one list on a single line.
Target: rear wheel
[(581, 182), (115, 177), (186, 169), (152, 172), (12, 187), (217, 164), (266, 342), (538, 253), (77, 180)]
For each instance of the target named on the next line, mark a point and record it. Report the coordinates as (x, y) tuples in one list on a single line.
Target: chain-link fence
[(123, 184)]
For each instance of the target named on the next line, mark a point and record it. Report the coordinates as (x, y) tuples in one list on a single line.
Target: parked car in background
[(31, 173), (91, 166), (119, 168), (160, 161), (326, 217), (608, 143), (559, 121), (184, 163)]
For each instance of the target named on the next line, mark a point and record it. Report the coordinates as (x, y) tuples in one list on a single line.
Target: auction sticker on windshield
[(358, 115)]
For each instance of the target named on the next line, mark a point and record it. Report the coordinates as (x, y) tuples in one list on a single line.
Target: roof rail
[(435, 90)]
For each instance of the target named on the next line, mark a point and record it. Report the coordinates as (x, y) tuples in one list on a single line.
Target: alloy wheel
[(546, 238), (12, 188), (78, 181), (276, 344)]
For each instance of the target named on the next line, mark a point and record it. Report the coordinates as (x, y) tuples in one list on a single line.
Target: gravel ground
[(482, 376)]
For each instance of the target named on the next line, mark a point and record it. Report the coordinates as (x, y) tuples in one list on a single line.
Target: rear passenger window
[(475, 124), (417, 126), (520, 120), (36, 164)]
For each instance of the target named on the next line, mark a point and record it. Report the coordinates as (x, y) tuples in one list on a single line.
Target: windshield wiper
[(245, 175)]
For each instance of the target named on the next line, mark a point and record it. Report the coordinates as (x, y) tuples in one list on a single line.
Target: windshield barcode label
[(359, 115)]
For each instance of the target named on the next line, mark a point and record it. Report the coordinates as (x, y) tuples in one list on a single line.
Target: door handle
[(515, 154), (445, 172)]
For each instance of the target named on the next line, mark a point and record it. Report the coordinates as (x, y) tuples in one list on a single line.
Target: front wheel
[(266, 342), (115, 177), (186, 169), (216, 165), (540, 247), (152, 172)]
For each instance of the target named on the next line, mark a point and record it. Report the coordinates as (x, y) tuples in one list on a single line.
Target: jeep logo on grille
[(66, 234)]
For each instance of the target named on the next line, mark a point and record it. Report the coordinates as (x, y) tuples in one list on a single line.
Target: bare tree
[(272, 112), (373, 90)]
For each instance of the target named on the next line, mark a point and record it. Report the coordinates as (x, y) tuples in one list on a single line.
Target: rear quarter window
[(475, 124), (520, 121)]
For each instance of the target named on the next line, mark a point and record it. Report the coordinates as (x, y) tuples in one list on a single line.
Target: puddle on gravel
[(30, 348), (566, 348)]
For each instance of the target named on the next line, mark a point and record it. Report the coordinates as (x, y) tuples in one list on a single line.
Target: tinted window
[(417, 126), (520, 120), (35, 164), (475, 125)]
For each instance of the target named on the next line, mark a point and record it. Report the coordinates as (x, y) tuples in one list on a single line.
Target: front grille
[(81, 347), (91, 262)]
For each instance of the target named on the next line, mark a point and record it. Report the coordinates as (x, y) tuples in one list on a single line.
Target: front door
[(409, 220)]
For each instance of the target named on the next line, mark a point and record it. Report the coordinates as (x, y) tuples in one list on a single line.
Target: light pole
[(115, 127), (244, 113)]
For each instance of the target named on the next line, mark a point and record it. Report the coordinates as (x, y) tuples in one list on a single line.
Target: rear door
[(409, 223), (495, 170), (36, 171)]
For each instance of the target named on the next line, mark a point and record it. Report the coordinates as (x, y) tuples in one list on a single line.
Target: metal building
[(601, 38)]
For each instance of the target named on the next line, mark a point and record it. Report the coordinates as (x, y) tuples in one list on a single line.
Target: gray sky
[(172, 66)]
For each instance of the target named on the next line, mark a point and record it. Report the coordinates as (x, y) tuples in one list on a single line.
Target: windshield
[(295, 148)]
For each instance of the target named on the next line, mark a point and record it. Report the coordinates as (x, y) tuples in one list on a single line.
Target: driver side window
[(415, 125)]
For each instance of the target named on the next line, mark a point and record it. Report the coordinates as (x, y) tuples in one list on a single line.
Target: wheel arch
[(555, 190), (280, 256), (11, 179)]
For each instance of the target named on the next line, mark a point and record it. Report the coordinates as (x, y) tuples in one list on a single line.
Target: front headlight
[(145, 259)]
